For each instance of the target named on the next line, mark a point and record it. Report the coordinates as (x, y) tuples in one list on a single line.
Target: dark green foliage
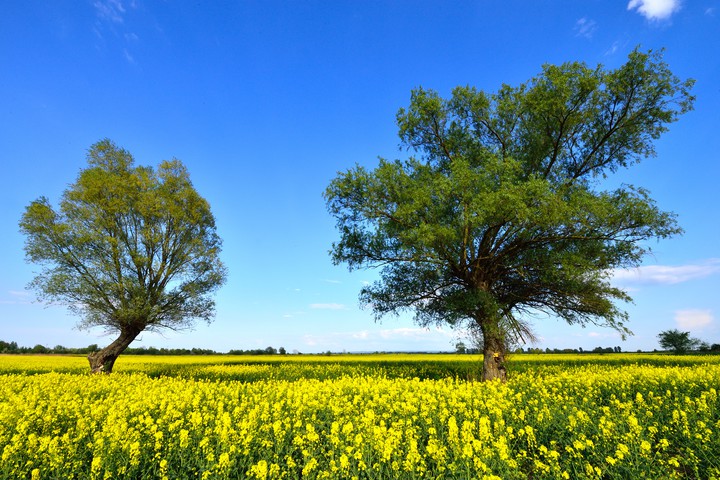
[(500, 214), (9, 347), (677, 341)]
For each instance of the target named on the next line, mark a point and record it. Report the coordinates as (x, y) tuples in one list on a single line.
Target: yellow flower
[(259, 470), (309, 467)]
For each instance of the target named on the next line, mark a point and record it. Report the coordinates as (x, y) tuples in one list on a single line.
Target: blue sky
[(266, 101)]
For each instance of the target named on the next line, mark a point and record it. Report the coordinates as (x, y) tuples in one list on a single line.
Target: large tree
[(130, 249), (501, 214)]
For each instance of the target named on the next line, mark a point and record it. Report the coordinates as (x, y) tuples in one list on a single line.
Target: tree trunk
[(493, 353), (103, 360)]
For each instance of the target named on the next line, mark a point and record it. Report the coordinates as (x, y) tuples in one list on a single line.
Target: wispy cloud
[(17, 297), (585, 28), (693, 319), (655, 9), (406, 332), (613, 48), (327, 306), (110, 18), (391, 338), (362, 335), (110, 10), (665, 274)]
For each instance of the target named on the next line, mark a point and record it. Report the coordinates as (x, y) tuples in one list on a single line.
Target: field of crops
[(377, 416)]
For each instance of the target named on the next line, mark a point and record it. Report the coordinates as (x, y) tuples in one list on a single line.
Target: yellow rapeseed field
[(619, 416)]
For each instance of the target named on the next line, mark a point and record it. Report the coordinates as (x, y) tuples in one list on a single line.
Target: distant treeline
[(702, 348), (705, 348), (461, 348), (572, 350), (12, 347)]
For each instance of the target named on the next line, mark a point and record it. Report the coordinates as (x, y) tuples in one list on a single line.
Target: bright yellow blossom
[(328, 419)]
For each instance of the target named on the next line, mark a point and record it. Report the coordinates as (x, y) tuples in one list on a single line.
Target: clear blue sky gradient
[(266, 101)]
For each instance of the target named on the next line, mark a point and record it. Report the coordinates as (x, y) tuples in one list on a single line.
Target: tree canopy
[(130, 249), (677, 341), (500, 213)]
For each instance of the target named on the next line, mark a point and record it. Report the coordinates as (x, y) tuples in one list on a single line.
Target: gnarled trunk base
[(103, 360), (494, 366), (493, 354)]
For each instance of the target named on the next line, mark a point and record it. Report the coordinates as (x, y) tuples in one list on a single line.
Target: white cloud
[(361, 335), (655, 9), (128, 57), (112, 10), (693, 319), (613, 48), (334, 340), (327, 280), (327, 306), (585, 28), (403, 338), (18, 297), (407, 332), (666, 274), (110, 18)]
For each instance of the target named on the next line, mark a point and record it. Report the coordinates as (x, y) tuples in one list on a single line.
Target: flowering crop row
[(584, 421), (323, 367)]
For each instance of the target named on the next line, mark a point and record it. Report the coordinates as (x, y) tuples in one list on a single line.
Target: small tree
[(500, 215), (130, 249), (677, 341)]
